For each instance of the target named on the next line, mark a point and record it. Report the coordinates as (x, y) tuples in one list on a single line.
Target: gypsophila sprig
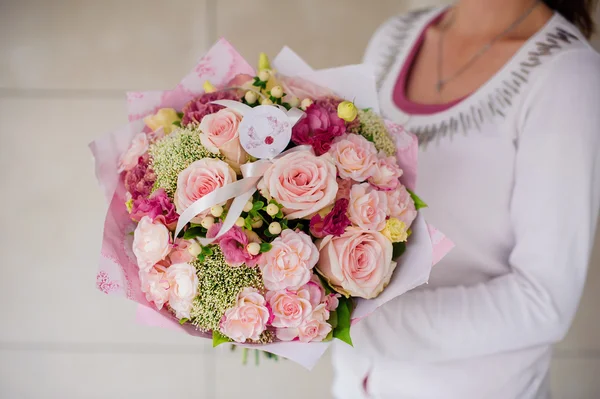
[(372, 127), (175, 152), (220, 285)]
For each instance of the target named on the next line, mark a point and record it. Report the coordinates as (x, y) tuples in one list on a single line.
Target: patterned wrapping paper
[(118, 271)]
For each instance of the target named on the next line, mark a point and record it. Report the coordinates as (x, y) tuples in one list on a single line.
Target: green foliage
[(219, 338), (398, 249), (343, 314), (419, 203)]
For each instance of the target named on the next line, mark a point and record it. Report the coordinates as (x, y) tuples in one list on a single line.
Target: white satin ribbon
[(294, 113)]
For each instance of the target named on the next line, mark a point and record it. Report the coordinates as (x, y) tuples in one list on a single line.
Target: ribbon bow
[(242, 190)]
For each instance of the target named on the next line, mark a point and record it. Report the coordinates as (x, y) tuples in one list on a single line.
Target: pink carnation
[(233, 244), (199, 107), (344, 187), (140, 180), (158, 204), (334, 223), (331, 105), (318, 129)]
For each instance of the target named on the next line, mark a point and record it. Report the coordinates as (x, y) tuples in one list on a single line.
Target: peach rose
[(289, 308), (197, 180), (313, 329), (302, 182), (401, 206), (354, 156), (183, 288), (155, 285), (358, 263), (248, 318), (219, 133), (151, 242), (184, 251), (386, 174), (368, 207), (302, 88), (288, 264), (138, 147)]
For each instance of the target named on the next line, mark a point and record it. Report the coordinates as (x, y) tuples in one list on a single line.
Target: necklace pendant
[(439, 86)]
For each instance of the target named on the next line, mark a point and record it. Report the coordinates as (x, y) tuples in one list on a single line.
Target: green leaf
[(398, 249), (284, 224), (194, 232), (419, 203), (279, 215), (183, 321), (342, 330), (248, 223), (333, 319), (177, 123), (265, 247), (180, 115), (268, 234), (258, 205), (273, 201), (219, 338)]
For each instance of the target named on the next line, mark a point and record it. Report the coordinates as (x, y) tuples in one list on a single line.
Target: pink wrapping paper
[(118, 272)]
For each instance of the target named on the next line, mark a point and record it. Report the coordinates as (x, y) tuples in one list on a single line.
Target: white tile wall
[(64, 66)]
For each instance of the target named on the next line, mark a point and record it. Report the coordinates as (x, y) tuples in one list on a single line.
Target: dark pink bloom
[(199, 107), (233, 244), (344, 187), (331, 105), (334, 223), (318, 128), (140, 180), (158, 204)]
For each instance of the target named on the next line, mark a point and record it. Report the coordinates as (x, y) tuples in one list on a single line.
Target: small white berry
[(248, 206), (240, 222), (207, 222), (275, 228), (216, 210), (307, 102), (250, 97), (194, 249), (294, 102), (253, 248), (264, 75), (257, 224), (266, 101), (277, 92), (272, 209)]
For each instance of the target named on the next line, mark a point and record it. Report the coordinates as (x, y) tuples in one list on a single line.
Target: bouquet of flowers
[(269, 208)]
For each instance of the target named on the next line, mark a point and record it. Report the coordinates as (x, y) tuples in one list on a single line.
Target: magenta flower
[(139, 180), (334, 223), (233, 245), (158, 204), (331, 105), (318, 129), (199, 107)]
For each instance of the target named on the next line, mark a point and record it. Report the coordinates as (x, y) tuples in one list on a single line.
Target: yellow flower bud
[(347, 111), (208, 87), (250, 97), (253, 248), (207, 222), (272, 209), (277, 92), (264, 75), (240, 222), (263, 62), (165, 117), (307, 102), (275, 228), (129, 205), (395, 230), (216, 210)]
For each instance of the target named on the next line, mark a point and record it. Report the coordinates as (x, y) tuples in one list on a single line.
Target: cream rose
[(387, 173), (200, 178), (401, 206), (368, 207), (219, 133), (155, 285), (130, 158), (313, 329), (151, 242), (248, 318), (354, 156), (358, 263), (183, 288), (289, 308), (302, 182), (288, 264)]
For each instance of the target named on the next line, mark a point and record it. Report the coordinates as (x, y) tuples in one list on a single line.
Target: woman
[(504, 96)]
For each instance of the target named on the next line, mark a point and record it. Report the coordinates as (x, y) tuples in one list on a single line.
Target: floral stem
[(244, 356)]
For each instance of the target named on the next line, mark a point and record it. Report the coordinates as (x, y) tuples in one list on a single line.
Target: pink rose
[(313, 329), (332, 302), (197, 180), (151, 242), (219, 133), (354, 156), (288, 264), (316, 290), (302, 88), (138, 147), (155, 285), (184, 251), (359, 263), (289, 308), (183, 288), (401, 206), (302, 182), (248, 318), (387, 174), (368, 207)]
